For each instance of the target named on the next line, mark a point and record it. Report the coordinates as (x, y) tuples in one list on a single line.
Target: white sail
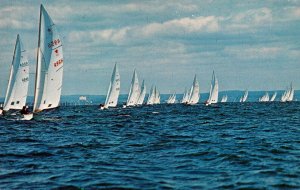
[(113, 90), (291, 94), (285, 95), (244, 97), (194, 92), (17, 88), (171, 99), (185, 97), (49, 68), (142, 94), (264, 98), (214, 90), (156, 96), (224, 98), (134, 91), (150, 100), (273, 97)]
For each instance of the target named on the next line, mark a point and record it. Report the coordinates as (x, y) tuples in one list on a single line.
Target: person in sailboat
[(24, 110), (1, 109), (101, 106)]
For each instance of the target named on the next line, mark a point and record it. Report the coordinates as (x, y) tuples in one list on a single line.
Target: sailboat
[(194, 92), (273, 97), (185, 98), (171, 99), (134, 91), (264, 98), (244, 97), (156, 96), (142, 94), (113, 90), (214, 90), (151, 96), (49, 67), (17, 89), (291, 94), (224, 99)]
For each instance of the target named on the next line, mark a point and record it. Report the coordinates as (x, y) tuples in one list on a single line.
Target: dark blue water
[(226, 146)]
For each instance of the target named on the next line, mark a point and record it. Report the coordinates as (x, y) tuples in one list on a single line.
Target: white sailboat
[(49, 68), (113, 90), (244, 97), (171, 99), (264, 98), (214, 91), (291, 93), (156, 96), (273, 97), (134, 91), (142, 94), (194, 92), (224, 99), (151, 96), (185, 98), (17, 89)]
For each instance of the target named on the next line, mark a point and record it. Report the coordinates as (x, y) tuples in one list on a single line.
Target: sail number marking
[(53, 43), (59, 62)]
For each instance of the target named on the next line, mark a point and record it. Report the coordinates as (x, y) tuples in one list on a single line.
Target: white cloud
[(253, 52), (16, 17)]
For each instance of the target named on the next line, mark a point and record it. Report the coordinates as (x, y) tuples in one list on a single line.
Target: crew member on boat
[(24, 110)]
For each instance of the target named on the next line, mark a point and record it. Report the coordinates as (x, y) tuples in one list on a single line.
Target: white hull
[(27, 116)]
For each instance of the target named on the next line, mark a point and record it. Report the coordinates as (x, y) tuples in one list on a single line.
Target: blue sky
[(250, 44)]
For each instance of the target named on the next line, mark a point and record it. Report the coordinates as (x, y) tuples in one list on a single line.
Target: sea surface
[(224, 146)]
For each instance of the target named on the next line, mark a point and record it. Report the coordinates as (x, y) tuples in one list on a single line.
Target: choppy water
[(227, 146)]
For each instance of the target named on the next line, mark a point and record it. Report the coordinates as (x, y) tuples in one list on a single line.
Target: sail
[(142, 94), (224, 98), (214, 88), (285, 95), (150, 100), (171, 99), (194, 92), (17, 88), (291, 94), (264, 98), (244, 97), (49, 68), (134, 91), (273, 97), (114, 89), (185, 97)]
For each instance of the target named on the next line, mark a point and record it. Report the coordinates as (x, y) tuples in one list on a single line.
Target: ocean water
[(224, 146)]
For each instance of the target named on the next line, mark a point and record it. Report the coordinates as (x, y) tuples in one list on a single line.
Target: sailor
[(24, 110), (1, 109), (101, 106)]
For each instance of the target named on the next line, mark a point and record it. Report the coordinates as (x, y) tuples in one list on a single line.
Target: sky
[(250, 44)]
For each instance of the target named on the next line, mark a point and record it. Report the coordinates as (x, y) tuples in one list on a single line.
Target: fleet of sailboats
[(49, 78)]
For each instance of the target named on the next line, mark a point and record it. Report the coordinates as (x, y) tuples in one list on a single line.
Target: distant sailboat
[(142, 94), (264, 98), (244, 97), (214, 91), (114, 89), (224, 99), (17, 88), (150, 100), (49, 68), (288, 95), (171, 99), (273, 97), (185, 98), (156, 96), (194, 92), (134, 91)]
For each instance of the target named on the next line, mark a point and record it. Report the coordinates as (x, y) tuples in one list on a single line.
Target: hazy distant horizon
[(250, 45)]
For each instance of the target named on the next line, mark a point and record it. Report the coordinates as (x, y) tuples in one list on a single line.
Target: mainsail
[(134, 91), (150, 100), (113, 90), (172, 98), (291, 93), (214, 89), (156, 96), (245, 96), (49, 68), (264, 98), (185, 98), (17, 88), (224, 98), (273, 97), (142, 94), (194, 92)]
